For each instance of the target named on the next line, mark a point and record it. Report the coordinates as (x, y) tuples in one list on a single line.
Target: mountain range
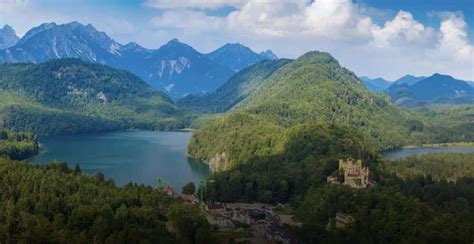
[(414, 91), (176, 68), (437, 88), (380, 84)]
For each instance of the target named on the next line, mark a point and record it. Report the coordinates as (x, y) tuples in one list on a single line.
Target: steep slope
[(234, 90), (237, 57), (69, 96), (8, 37), (73, 40), (180, 70), (175, 67), (375, 85), (313, 88)]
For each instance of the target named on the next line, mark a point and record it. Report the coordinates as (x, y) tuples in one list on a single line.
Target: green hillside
[(237, 88), (312, 88), (71, 96)]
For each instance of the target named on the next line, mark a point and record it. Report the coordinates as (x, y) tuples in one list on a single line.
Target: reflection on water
[(405, 152), (140, 156)]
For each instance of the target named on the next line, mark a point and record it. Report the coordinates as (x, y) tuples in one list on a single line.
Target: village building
[(343, 220), (169, 191), (189, 199)]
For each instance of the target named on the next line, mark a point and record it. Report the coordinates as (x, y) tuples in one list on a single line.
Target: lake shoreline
[(440, 145), (127, 156), (418, 151)]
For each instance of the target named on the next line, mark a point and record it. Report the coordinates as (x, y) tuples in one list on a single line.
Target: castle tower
[(354, 174)]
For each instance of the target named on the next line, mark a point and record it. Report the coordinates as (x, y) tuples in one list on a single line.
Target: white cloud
[(336, 19), (199, 4), (401, 45), (402, 29), (290, 27), (453, 40)]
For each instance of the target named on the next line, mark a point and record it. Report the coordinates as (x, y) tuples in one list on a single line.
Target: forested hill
[(70, 96), (312, 88), (237, 88)]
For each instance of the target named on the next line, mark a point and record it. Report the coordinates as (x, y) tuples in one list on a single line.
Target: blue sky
[(423, 9), (376, 38)]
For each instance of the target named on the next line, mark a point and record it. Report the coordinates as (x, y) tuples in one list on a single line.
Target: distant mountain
[(375, 85), (268, 55), (73, 40), (434, 89), (182, 70), (438, 85), (69, 96), (8, 37), (237, 88), (237, 57), (409, 79), (175, 68)]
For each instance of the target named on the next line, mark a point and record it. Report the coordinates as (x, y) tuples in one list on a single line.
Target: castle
[(355, 175)]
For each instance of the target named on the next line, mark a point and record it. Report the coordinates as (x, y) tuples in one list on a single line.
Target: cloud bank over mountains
[(399, 44)]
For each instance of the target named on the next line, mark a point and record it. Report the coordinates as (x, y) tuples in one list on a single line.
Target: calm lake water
[(138, 156), (405, 152)]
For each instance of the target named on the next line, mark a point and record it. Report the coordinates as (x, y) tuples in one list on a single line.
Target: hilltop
[(313, 88), (71, 96)]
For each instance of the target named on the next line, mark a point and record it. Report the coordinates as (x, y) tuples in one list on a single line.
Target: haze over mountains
[(434, 89), (8, 37), (414, 91), (176, 68), (179, 70)]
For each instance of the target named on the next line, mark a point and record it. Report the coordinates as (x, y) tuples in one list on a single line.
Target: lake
[(405, 152), (136, 156)]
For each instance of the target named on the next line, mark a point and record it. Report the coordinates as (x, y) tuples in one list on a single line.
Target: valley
[(104, 142), (141, 157)]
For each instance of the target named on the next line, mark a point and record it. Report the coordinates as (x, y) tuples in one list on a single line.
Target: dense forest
[(17, 145), (54, 204), (315, 88), (71, 96), (420, 208), (439, 166)]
